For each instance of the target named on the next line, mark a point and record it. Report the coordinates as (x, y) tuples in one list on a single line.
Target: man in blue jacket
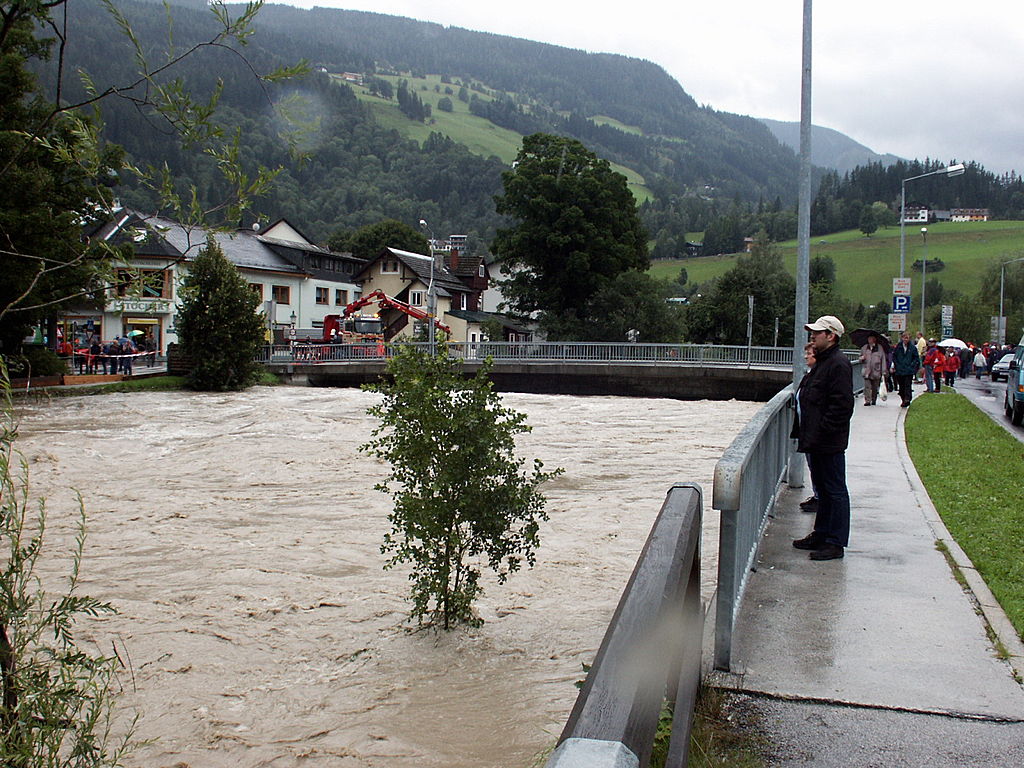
[(906, 362), (824, 406)]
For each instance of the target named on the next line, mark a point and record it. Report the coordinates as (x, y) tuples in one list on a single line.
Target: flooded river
[(239, 537)]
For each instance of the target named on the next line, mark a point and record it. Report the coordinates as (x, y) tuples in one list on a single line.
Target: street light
[(430, 288), (950, 171), (924, 272), (1001, 320)]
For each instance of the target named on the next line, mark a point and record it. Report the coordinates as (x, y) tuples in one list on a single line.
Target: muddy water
[(239, 537)]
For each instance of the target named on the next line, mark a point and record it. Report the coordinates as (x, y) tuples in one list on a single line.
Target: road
[(988, 396)]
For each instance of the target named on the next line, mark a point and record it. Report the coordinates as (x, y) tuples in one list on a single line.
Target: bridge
[(681, 371)]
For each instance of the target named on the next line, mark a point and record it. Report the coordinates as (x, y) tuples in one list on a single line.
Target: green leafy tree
[(868, 223), (575, 229), (368, 242), (822, 270), (57, 696), (461, 499), (218, 324), (635, 301), (445, 104), (720, 315)]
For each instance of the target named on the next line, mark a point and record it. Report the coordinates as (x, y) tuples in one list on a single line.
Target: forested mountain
[(829, 148), (357, 171)]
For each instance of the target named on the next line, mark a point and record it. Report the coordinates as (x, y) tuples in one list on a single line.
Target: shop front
[(144, 322)]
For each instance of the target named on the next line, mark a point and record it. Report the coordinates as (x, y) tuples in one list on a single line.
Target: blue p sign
[(900, 304)]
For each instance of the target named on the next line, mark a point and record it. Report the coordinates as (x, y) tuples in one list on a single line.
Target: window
[(462, 301), (322, 295), (340, 297), (481, 270), (389, 267), (282, 294), (257, 288), (143, 283), (416, 298)]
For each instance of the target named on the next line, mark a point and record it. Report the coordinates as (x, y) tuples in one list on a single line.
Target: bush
[(36, 361)]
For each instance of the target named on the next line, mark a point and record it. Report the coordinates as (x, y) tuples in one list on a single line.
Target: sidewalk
[(879, 659)]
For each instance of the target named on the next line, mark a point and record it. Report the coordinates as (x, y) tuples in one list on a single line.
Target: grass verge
[(149, 384), (974, 473)]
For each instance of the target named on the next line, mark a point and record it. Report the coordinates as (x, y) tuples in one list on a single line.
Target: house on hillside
[(297, 281), (915, 214), (969, 214)]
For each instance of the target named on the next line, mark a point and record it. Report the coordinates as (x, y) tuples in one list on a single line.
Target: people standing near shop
[(127, 350), (96, 358), (906, 362), (873, 356), (980, 364), (966, 359), (951, 367), (824, 406), (113, 353), (934, 367)]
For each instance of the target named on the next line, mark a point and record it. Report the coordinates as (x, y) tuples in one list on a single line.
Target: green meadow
[(481, 136), (865, 266)]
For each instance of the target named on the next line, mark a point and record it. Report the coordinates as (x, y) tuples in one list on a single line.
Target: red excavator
[(348, 328)]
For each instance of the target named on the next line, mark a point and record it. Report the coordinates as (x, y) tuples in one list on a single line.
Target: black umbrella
[(860, 337)]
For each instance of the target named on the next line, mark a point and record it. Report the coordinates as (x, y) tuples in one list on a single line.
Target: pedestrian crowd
[(113, 357)]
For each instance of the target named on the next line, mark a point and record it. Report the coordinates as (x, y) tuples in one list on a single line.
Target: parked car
[(1013, 401), (1001, 368)]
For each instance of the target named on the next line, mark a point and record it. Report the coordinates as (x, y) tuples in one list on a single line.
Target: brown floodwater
[(239, 537)]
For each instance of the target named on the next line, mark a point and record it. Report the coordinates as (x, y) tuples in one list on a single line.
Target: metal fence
[(546, 352), (650, 652)]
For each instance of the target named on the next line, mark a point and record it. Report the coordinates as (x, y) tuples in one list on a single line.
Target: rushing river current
[(239, 537)]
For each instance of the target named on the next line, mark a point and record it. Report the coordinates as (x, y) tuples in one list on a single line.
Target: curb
[(996, 619)]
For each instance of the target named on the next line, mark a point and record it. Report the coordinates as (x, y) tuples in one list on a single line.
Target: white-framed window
[(481, 270), (463, 303), (389, 267), (416, 298)]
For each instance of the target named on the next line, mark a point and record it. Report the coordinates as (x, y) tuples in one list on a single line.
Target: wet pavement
[(880, 658)]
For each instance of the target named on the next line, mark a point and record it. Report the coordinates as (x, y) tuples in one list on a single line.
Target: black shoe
[(810, 541), (810, 506), (826, 552)]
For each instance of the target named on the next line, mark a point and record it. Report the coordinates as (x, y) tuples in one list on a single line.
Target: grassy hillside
[(865, 266), (481, 136)]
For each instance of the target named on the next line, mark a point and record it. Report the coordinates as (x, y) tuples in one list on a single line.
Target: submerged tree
[(460, 497), (218, 323)]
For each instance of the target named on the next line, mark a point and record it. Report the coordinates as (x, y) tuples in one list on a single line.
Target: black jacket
[(825, 405)]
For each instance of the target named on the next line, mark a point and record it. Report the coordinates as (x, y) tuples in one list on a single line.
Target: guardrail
[(545, 352), (747, 481), (650, 652)]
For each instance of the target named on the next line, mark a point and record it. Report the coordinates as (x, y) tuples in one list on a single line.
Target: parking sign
[(900, 304)]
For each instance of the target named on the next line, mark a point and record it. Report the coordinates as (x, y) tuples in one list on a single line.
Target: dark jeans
[(904, 383), (828, 474), (950, 378)]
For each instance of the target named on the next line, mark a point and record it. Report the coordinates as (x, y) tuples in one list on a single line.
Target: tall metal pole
[(903, 216), (803, 226), (924, 278)]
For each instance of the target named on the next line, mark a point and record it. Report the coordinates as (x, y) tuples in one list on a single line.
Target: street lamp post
[(924, 273), (950, 171), (1002, 279), (431, 308)]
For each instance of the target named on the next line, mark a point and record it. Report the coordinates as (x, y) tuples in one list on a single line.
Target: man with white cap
[(824, 406)]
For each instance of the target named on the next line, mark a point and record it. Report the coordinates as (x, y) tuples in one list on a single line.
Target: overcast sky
[(941, 79)]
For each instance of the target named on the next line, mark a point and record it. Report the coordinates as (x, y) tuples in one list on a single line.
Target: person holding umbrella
[(875, 362)]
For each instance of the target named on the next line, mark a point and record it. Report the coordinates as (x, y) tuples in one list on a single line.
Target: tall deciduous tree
[(218, 324), (461, 500), (575, 229)]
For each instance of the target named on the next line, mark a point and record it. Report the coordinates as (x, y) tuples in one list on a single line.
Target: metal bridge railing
[(650, 652), (545, 352), (747, 481)]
